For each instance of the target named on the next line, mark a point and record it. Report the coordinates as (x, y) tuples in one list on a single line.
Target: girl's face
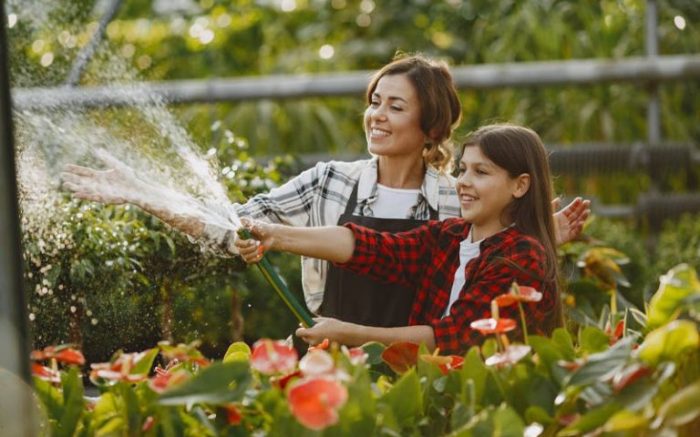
[(392, 119), (485, 190)]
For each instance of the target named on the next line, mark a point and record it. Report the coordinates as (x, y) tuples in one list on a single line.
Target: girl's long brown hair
[(519, 150)]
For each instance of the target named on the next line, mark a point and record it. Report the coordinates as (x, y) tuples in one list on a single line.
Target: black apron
[(359, 299)]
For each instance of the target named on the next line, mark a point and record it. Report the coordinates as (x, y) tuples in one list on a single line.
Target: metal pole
[(16, 406), (652, 51), (89, 49)]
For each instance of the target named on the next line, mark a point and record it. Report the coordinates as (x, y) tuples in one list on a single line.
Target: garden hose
[(301, 313)]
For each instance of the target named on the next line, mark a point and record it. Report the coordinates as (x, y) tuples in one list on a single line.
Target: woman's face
[(392, 119)]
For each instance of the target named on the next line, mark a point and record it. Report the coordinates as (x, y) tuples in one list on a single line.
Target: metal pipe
[(652, 51), (89, 49), (533, 74)]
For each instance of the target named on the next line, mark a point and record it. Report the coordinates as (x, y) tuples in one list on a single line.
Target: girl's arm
[(332, 243), (351, 334)]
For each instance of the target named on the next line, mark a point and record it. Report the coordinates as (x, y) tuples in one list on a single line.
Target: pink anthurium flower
[(165, 379), (518, 293), (148, 424), (401, 356), (444, 363), (233, 414), (183, 353), (493, 326), (270, 357), (46, 373), (629, 375), (63, 354), (512, 354), (316, 362), (315, 401), (357, 355), (119, 369)]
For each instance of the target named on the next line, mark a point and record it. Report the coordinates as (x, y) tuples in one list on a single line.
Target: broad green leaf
[(238, 351), (682, 407), (625, 421), (73, 405), (603, 364), (108, 415), (374, 351), (474, 369), (502, 421), (144, 365), (564, 343), (669, 342), (593, 339), (591, 420), (217, 384), (538, 414), (405, 398), (679, 283)]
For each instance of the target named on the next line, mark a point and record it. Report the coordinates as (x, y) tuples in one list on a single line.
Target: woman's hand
[(568, 223), (253, 249), (325, 327), (116, 185)]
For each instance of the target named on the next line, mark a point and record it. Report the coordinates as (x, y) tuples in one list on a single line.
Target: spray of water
[(146, 138)]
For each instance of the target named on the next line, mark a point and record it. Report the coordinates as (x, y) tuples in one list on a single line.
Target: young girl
[(506, 234)]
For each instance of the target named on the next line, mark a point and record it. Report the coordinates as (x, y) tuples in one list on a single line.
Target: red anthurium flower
[(444, 363), (316, 362), (233, 414), (357, 355), (315, 401), (401, 356), (271, 357), (629, 375), (183, 353), (512, 354), (493, 326), (164, 379), (148, 424), (46, 373), (618, 333), (119, 369), (282, 381), (325, 344), (63, 354), (518, 294)]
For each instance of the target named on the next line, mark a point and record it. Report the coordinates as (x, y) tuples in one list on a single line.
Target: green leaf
[(565, 344), (679, 283), (590, 421), (374, 351), (602, 365), (593, 339), (669, 342), (72, 403), (474, 369), (238, 351), (405, 398), (217, 384), (681, 408), (145, 363), (502, 421), (625, 421)]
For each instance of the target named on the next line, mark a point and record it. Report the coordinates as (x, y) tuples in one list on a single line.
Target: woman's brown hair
[(520, 150), (440, 108)]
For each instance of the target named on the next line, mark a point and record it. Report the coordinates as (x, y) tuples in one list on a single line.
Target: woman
[(412, 110), (505, 234)]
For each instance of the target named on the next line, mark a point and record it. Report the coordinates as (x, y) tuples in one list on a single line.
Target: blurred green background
[(120, 279)]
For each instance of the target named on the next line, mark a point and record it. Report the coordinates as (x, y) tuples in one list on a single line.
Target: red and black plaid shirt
[(429, 256)]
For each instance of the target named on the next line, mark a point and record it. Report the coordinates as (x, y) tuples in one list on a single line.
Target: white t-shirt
[(468, 250), (394, 202)]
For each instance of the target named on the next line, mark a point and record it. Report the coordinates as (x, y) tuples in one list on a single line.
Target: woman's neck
[(400, 172)]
